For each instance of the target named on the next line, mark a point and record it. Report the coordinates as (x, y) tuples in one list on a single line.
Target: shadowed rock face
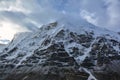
[(107, 76), (63, 55), (38, 76)]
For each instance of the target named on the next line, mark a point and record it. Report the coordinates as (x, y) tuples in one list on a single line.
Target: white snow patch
[(91, 77)]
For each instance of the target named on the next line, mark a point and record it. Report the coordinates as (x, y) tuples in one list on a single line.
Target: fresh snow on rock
[(81, 41)]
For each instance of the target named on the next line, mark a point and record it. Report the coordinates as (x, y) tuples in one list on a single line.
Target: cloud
[(90, 17), (29, 14), (12, 5), (8, 29), (106, 13), (113, 12), (102, 13)]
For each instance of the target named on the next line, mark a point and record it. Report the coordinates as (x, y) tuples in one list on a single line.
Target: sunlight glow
[(8, 29)]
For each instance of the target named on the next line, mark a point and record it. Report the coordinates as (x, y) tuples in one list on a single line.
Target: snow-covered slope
[(2, 46), (4, 41), (81, 48)]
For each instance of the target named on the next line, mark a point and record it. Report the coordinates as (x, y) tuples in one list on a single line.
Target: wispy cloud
[(90, 17)]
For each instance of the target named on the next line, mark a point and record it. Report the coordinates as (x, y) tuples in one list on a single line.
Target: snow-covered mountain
[(65, 51), (2, 46)]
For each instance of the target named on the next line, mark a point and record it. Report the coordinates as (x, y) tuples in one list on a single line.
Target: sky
[(27, 15)]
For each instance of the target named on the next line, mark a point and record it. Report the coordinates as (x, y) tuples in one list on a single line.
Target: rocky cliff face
[(63, 52)]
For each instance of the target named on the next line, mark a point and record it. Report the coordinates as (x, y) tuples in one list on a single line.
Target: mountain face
[(62, 51), (2, 46)]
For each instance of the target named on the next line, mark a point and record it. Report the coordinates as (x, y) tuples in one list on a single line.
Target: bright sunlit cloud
[(8, 29)]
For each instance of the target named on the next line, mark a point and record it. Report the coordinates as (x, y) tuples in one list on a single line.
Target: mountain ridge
[(59, 46)]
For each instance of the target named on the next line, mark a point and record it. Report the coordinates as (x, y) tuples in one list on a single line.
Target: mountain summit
[(63, 51)]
